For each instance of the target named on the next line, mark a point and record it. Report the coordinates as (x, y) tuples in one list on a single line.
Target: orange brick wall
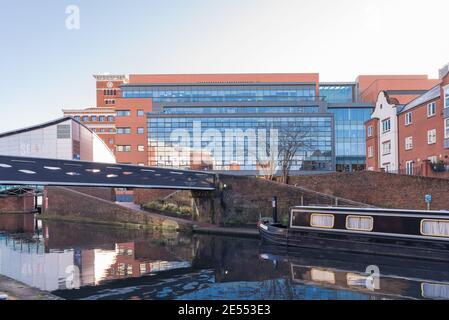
[(133, 121)]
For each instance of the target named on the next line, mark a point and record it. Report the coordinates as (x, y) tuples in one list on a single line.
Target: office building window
[(140, 148), (93, 118), (110, 118), (408, 118), (431, 109), (408, 143), (111, 141), (446, 128), (140, 113), (386, 125), (123, 113), (111, 130), (102, 118), (123, 148), (109, 101), (370, 131), (85, 118), (432, 136), (409, 167), (370, 151), (140, 130), (102, 130), (77, 118), (123, 130), (386, 148)]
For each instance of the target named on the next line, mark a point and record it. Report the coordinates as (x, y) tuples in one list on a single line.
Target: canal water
[(84, 261)]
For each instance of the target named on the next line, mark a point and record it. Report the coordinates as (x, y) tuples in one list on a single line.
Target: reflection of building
[(60, 139), (411, 137), (145, 110), (124, 261)]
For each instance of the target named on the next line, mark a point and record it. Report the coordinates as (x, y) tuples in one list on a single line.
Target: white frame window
[(446, 128), (435, 228), (386, 148), (370, 151), (321, 220), (123, 148), (432, 159), (386, 125), (409, 167), (408, 118), (370, 131), (432, 136), (446, 97), (359, 223), (431, 109), (408, 143), (141, 148)]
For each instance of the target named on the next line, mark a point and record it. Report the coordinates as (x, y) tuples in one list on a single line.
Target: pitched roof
[(40, 126), (428, 96)]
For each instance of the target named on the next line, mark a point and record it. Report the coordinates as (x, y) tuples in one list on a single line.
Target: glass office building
[(221, 93), (350, 137), (349, 116), (203, 125), (213, 141)]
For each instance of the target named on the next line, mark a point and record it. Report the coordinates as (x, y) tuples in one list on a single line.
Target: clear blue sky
[(46, 67)]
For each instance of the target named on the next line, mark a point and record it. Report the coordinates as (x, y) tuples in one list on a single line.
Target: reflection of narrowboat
[(402, 233), (385, 277)]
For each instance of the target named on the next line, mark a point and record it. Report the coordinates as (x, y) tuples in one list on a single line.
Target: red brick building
[(422, 133), (372, 145)]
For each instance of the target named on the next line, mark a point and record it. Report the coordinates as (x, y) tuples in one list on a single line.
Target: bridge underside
[(53, 172)]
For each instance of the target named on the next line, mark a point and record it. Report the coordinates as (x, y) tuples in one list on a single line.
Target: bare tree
[(291, 140)]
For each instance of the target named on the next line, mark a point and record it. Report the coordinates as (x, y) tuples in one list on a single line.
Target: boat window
[(319, 275), (360, 223), (435, 290), (322, 220), (436, 228)]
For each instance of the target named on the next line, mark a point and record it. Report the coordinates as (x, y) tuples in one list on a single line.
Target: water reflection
[(116, 263)]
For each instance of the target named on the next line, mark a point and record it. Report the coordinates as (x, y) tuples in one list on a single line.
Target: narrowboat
[(393, 232)]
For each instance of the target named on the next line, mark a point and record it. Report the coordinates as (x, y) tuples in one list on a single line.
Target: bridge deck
[(47, 172)]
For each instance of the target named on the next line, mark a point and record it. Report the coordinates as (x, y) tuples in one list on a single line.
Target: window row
[(127, 113), (127, 148), (431, 139), (110, 92), (103, 130), (94, 118), (428, 227), (127, 130)]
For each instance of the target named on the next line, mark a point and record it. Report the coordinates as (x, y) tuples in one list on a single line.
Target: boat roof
[(372, 209)]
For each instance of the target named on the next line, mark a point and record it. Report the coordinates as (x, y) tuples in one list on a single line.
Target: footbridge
[(54, 172)]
